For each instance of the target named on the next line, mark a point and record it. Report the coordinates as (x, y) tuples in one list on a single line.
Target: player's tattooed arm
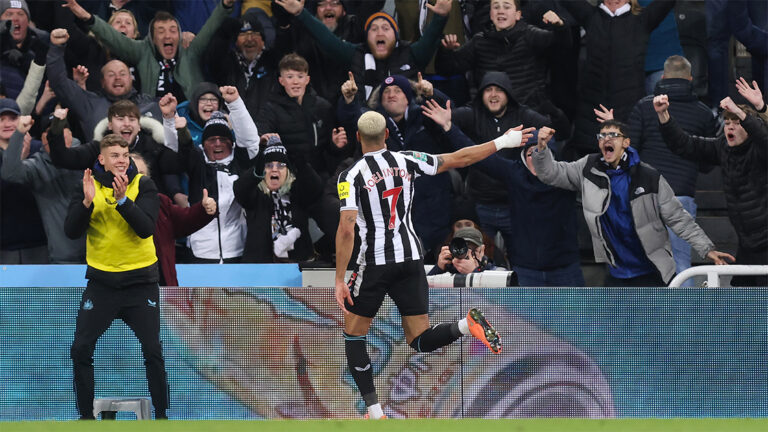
[(440, 161), (350, 218)]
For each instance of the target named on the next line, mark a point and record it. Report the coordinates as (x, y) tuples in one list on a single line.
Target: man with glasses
[(216, 168), (627, 205)]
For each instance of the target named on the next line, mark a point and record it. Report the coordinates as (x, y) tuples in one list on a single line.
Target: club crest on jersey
[(343, 190)]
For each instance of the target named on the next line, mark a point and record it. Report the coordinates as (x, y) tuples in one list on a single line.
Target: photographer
[(465, 254)]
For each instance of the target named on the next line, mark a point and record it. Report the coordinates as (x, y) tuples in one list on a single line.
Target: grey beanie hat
[(14, 4)]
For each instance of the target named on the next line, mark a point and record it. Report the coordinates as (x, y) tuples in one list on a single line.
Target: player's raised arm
[(516, 137)]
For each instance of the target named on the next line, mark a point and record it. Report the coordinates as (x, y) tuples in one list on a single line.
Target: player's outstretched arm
[(515, 137)]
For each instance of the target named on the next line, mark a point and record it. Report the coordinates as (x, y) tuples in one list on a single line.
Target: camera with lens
[(459, 248)]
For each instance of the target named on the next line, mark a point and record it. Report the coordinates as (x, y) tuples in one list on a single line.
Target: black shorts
[(405, 283)]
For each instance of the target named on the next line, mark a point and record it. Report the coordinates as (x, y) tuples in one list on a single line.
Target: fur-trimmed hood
[(147, 124)]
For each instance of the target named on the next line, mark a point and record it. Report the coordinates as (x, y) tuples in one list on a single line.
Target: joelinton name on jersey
[(381, 184)]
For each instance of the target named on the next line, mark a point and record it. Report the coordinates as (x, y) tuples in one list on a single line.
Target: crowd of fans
[(244, 113)]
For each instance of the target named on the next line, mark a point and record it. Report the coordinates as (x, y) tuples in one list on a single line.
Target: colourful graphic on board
[(256, 344)]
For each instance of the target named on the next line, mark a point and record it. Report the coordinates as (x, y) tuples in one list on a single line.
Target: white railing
[(713, 273)]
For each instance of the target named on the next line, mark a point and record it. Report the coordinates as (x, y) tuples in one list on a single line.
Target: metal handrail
[(713, 273)]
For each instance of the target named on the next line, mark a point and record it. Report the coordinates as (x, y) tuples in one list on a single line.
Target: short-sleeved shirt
[(380, 186)]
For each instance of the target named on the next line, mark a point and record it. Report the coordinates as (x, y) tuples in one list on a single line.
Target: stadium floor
[(422, 425)]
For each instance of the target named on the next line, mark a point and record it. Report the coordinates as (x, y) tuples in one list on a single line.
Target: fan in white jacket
[(224, 154)]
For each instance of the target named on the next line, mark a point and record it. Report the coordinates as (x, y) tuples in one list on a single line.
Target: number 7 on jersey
[(392, 195)]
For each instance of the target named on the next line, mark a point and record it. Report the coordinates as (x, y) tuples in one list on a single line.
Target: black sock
[(436, 337), (360, 367)]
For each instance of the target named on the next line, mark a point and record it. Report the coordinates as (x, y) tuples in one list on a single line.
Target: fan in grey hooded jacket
[(627, 206)]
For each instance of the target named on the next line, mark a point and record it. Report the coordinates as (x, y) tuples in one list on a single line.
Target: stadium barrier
[(190, 275), (713, 273), (252, 353)]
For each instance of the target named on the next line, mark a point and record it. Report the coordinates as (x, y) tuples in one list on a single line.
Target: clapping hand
[(89, 188), (119, 186)]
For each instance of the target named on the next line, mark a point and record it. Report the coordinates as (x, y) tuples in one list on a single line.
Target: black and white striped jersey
[(380, 187)]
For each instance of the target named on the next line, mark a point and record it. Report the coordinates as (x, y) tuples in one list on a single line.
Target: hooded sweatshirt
[(188, 110), (482, 126)]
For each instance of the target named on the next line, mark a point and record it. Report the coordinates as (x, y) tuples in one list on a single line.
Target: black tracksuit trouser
[(139, 307)]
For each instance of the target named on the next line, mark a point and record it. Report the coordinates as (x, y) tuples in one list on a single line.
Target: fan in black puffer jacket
[(519, 51), (613, 73), (276, 200), (742, 153), (693, 116), (304, 127)]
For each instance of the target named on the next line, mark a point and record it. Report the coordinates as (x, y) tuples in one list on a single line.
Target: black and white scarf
[(165, 80), (247, 67), (282, 220)]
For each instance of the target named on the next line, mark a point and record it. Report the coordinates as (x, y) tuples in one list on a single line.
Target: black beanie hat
[(217, 125), (275, 151)]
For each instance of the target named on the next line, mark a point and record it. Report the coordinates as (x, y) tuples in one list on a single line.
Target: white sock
[(375, 412), (463, 326)]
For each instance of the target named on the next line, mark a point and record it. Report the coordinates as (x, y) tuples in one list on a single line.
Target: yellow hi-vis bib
[(112, 245)]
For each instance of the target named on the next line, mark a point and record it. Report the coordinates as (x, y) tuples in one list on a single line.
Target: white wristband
[(509, 140)]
